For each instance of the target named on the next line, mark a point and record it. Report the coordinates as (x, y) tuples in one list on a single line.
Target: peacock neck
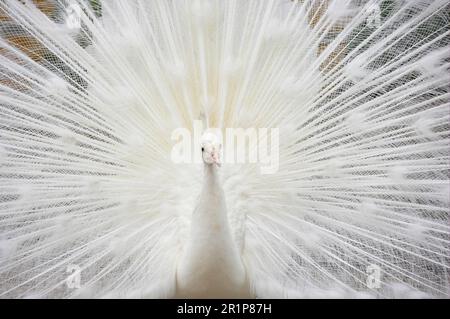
[(211, 265), (211, 182), (211, 209)]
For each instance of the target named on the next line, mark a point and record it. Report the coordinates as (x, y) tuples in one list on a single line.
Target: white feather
[(86, 179)]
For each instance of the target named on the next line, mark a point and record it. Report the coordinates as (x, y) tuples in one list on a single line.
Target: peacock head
[(211, 147)]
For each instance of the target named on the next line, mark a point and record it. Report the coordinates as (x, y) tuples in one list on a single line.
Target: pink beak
[(215, 157)]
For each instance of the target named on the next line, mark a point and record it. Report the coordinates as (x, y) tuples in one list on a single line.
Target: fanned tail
[(359, 93)]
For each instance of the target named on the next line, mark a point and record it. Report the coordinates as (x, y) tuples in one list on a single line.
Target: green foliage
[(96, 7)]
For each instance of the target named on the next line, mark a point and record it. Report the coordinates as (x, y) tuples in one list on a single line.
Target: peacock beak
[(216, 158)]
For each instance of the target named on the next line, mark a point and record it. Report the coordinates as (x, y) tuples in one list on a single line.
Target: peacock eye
[(203, 149)]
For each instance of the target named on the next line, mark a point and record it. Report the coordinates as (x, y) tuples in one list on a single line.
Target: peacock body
[(90, 97)]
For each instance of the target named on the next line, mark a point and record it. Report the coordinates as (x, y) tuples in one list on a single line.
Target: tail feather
[(360, 96)]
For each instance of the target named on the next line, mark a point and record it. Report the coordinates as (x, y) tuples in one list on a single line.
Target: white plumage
[(358, 89), (210, 265)]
